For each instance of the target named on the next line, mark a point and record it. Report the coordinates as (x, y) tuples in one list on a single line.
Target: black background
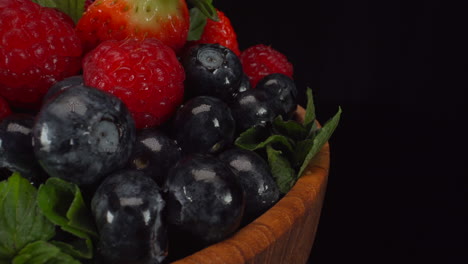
[(397, 188)]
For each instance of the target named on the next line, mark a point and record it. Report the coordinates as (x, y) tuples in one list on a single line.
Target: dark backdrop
[(397, 187)]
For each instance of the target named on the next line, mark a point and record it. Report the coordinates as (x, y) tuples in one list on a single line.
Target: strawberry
[(166, 20), (87, 3), (220, 32)]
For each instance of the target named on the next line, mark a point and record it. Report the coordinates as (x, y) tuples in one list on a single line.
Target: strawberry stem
[(207, 8)]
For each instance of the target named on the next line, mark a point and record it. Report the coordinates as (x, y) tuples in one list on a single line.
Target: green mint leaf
[(301, 150), (62, 203), (41, 252), (252, 137), (78, 248), (277, 140), (281, 169), (320, 139), (289, 128), (73, 8), (197, 24), (21, 221), (207, 8), (309, 119)]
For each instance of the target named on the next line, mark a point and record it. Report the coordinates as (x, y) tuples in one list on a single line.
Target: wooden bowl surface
[(286, 232)]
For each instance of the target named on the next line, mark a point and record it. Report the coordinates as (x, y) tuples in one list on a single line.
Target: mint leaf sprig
[(202, 10), (73, 8), (21, 221), (62, 203), (289, 145), (29, 218)]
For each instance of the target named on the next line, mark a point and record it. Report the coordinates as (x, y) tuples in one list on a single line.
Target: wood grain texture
[(286, 232)]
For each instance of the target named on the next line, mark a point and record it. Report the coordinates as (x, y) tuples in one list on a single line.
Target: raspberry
[(260, 60), (220, 32), (144, 74), (38, 47), (4, 109)]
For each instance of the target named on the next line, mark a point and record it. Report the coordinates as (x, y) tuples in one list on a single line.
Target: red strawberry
[(4, 109), (38, 47), (144, 74), (166, 20), (87, 4), (220, 32), (260, 60)]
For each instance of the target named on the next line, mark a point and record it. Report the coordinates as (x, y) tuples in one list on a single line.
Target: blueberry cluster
[(175, 188)]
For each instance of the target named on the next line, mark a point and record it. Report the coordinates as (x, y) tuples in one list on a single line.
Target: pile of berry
[(139, 103)]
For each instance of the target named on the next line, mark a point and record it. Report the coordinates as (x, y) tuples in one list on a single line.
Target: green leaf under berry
[(41, 252), (289, 128), (78, 248), (197, 24), (289, 145), (320, 139), (62, 203), (206, 7), (281, 169), (301, 150), (259, 137), (21, 221), (73, 8)]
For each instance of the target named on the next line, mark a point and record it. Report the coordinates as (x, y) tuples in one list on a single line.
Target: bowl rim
[(307, 194)]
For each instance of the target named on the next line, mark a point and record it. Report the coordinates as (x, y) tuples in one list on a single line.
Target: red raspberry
[(144, 74), (220, 32), (260, 60), (38, 47), (4, 109)]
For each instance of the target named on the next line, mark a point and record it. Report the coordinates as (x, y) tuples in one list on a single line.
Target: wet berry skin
[(211, 70), (16, 150), (205, 202), (83, 134), (154, 154), (203, 124), (62, 85), (243, 86), (128, 210), (261, 191), (253, 107), (284, 92)]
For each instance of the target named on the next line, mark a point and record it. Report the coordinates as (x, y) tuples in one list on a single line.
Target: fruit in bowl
[(131, 132)]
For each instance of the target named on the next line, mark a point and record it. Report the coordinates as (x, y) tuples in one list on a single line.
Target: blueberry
[(284, 92), (243, 86), (154, 154), (16, 150), (261, 191), (203, 125), (205, 202), (62, 85), (83, 134), (128, 210), (253, 107), (213, 70)]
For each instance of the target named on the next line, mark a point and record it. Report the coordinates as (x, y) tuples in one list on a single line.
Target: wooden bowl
[(285, 233)]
